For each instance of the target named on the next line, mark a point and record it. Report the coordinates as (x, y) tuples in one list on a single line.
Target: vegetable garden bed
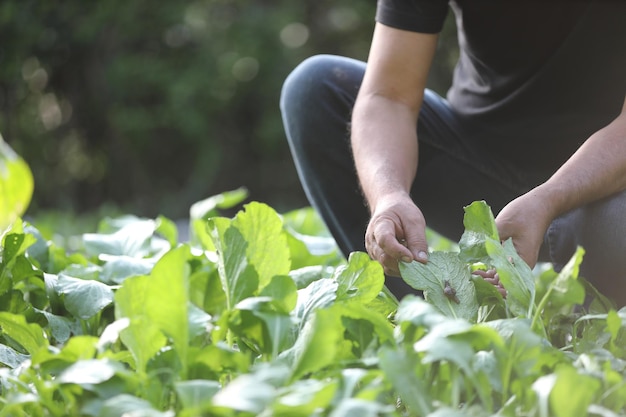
[(259, 315)]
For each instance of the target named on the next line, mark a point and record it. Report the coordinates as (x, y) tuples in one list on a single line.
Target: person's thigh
[(600, 229), (316, 104)]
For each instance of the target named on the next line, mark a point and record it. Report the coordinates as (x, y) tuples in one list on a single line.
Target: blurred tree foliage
[(154, 105)]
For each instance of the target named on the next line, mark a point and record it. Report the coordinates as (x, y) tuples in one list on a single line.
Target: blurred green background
[(150, 106)]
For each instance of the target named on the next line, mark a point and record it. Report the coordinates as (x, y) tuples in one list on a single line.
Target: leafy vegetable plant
[(259, 315)]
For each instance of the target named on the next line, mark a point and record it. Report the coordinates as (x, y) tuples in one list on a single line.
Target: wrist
[(386, 198)]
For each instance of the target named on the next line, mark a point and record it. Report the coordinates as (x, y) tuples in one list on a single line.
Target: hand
[(525, 220), (396, 232), (492, 277)]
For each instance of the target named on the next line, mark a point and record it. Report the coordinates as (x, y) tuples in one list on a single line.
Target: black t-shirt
[(539, 76)]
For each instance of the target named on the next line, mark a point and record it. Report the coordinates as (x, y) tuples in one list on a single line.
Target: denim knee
[(600, 229)]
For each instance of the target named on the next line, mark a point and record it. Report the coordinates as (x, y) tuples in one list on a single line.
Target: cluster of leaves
[(16, 185), (258, 315)]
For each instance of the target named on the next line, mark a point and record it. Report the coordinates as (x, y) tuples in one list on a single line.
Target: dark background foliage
[(151, 106)]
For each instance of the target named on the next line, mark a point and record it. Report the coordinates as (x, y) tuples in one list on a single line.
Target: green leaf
[(29, 335), (88, 372), (202, 210), (317, 343), (480, 243), (252, 392), (132, 239), (10, 357), (15, 244), (16, 186), (404, 372), (479, 225), (443, 273), (262, 229), (360, 281), (167, 228), (60, 326), (83, 298), (515, 275), (239, 279), (160, 300), (320, 294), (129, 405), (118, 268), (304, 398), (308, 274), (208, 207), (196, 394), (283, 293), (167, 299), (573, 393)]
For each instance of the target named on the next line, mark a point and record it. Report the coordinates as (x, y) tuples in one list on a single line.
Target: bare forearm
[(384, 144), (595, 171)]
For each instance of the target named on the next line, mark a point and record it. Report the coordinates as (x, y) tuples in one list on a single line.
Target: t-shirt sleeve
[(425, 16)]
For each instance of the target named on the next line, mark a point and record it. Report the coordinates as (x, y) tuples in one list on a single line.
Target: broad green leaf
[(167, 228), (404, 371), (133, 239), (479, 225), (16, 185), (87, 372), (446, 283), (60, 326), (379, 325), (360, 281), (196, 394), (246, 394), (445, 342), (208, 207), (303, 398), (414, 312), (320, 294), (220, 359), (543, 387), (129, 405), (317, 343), (359, 407), (167, 298), (160, 300), (524, 352), (515, 275), (447, 412), (142, 336), (308, 250), (283, 293), (481, 243), (83, 298), (486, 363), (29, 335), (202, 210), (308, 274), (262, 229), (239, 279), (573, 393), (565, 289), (118, 268), (15, 244), (10, 357), (278, 326), (252, 392)]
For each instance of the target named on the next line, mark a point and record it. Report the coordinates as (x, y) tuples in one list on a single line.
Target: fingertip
[(422, 256)]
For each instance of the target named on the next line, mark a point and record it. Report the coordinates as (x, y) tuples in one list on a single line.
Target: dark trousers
[(453, 171)]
